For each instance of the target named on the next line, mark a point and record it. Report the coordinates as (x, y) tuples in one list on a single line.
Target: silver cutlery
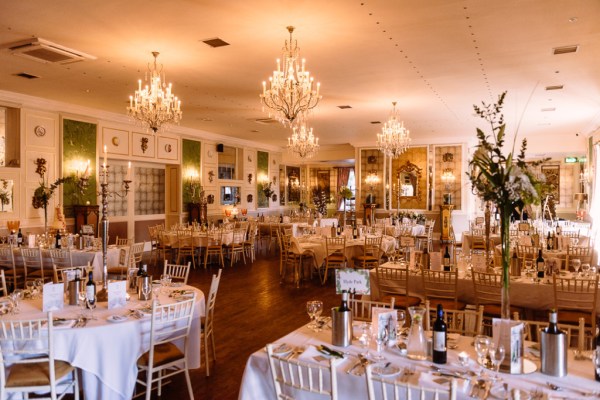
[(584, 393)]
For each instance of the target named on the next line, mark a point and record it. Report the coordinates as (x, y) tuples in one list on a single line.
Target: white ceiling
[(436, 58)]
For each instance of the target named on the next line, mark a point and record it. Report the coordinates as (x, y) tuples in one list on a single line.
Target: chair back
[(576, 295), (393, 281), (372, 246), (464, 322), (293, 374), (61, 257), (177, 272), (362, 309), (136, 251), (210, 303), (441, 285), (380, 387), (32, 260), (121, 242), (487, 287), (7, 263), (184, 239), (335, 245)]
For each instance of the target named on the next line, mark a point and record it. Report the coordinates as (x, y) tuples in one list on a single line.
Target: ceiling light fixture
[(155, 104), (394, 138), (291, 90), (303, 142)]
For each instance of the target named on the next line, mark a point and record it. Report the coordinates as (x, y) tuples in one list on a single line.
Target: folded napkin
[(319, 353), (433, 380), (61, 323)]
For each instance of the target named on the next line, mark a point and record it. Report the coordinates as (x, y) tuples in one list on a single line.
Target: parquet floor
[(252, 309)]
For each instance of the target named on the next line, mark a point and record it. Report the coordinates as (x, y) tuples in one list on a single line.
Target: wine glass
[(90, 302), (497, 354), (146, 290), (156, 292), (82, 296), (381, 339), (576, 265), (482, 343), (313, 308), (30, 288), (401, 320), (39, 285), (318, 312), (392, 258), (585, 269), (365, 337)]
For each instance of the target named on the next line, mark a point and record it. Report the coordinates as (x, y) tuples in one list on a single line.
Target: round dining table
[(104, 351)]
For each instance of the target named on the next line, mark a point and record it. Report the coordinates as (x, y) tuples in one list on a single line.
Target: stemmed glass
[(314, 308), (576, 266), (365, 337), (392, 258), (496, 353), (90, 302), (156, 292), (39, 285), (82, 296), (401, 320), (482, 344), (165, 281), (585, 269), (30, 287), (146, 290), (380, 338)]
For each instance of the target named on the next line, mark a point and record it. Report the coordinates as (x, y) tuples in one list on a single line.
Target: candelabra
[(102, 295)]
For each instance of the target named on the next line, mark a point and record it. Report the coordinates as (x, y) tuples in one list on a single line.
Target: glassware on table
[(416, 345), (39, 285), (314, 308), (401, 318), (576, 265), (91, 304), (585, 269), (392, 258), (482, 345), (365, 337), (30, 288), (496, 353), (381, 338), (146, 290), (82, 296), (156, 292), (165, 282)]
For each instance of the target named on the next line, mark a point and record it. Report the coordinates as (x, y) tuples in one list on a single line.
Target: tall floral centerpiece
[(505, 180), (44, 192), (346, 194)]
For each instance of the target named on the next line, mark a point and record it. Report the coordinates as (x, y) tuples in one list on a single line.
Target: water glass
[(482, 343), (496, 353), (156, 292), (401, 314), (365, 337), (585, 269), (381, 339), (313, 309), (576, 265)]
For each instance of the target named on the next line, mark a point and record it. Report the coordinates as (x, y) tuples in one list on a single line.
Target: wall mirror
[(408, 180), (230, 163), (6, 195), (293, 184), (230, 195), (10, 137)]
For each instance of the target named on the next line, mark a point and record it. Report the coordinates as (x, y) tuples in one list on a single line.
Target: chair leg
[(188, 381), (76, 385), (206, 354)]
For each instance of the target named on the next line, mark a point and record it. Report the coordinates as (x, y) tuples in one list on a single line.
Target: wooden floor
[(252, 309)]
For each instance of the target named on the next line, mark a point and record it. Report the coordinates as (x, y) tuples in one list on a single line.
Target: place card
[(511, 334), (479, 262), (435, 261), (384, 319), (53, 297), (117, 294), (357, 281), (31, 241)]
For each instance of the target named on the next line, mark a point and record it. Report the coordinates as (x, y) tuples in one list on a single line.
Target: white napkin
[(427, 379)]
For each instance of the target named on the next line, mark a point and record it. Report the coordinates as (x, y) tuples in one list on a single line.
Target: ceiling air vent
[(344, 107), (555, 87), (265, 121), (42, 50), (375, 122), (29, 76), (549, 109), (565, 50), (215, 42)]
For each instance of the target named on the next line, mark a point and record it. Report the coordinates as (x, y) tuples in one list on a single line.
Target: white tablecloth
[(257, 382), (105, 352), (394, 230)]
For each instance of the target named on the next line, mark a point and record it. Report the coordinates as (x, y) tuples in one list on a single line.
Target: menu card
[(117, 294), (384, 319), (53, 297), (479, 263), (435, 261), (31, 241), (511, 334), (355, 281)]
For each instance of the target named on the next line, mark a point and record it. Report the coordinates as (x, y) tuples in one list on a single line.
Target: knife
[(352, 368)]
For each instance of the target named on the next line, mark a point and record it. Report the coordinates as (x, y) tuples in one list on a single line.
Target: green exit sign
[(571, 160)]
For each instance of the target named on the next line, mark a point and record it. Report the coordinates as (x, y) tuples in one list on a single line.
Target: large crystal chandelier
[(291, 91), (303, 142), (155, 104), (394, 137)]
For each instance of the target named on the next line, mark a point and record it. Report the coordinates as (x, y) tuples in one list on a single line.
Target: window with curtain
[(346, 177)]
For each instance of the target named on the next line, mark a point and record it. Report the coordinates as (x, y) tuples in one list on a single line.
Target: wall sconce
[(372, 179)]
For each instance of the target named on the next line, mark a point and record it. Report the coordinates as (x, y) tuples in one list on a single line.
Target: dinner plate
[(177, 284), (498, 392), (282, 349), (382, 370), (117, 318)]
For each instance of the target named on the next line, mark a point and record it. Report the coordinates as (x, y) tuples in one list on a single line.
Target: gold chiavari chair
[(441, 287)]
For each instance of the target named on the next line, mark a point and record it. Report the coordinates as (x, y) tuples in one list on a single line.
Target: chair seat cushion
[(366, 258), (163, 354), (402, 301), (336, 257), (36, 374), (448, 304), (496, 310), (572, 316)]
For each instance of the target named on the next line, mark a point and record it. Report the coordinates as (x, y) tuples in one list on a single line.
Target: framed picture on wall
[(323, 182), (552, 173)]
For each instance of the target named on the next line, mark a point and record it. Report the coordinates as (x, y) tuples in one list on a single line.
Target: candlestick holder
[(105, 194)]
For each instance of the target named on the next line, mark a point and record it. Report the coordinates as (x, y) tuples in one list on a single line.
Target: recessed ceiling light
[(555, 87), (26, 75), (254, 131), (573, 19), (565, 49), (549, 109), (215, 42), (344, 107)]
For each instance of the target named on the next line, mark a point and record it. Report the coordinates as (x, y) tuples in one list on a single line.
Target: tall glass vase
[(505, 214)]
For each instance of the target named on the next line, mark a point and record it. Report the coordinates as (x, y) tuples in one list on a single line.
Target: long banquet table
[(257, 382), (106, 352), (523, 291)]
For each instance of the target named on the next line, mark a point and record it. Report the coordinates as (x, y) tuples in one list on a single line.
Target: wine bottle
[(19, 238), (141, 271), (90, 291), (549, 242), (58, 239), (339, 230), (541, 265), (344, 306), (333, 230), (354, 231), (552, 328), (440, 353), (515, 267), (425, 259), (281, 218), (446, 261)]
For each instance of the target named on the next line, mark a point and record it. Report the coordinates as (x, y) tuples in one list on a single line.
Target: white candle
[(463, 358), (105, 155), (105, 172), (128, 178), (87, 170)]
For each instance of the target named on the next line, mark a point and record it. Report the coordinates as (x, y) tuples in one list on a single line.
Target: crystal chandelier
[(155, 104), (394, 137), (291, 91), (303, 142)]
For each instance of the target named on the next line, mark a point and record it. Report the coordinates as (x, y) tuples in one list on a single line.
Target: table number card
[(435, 259), (384, 319), (117, 294), (355, 281), (31, 241), (53, 297), (511, 335)]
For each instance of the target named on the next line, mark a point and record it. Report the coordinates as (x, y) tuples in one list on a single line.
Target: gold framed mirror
[(408, 179)]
